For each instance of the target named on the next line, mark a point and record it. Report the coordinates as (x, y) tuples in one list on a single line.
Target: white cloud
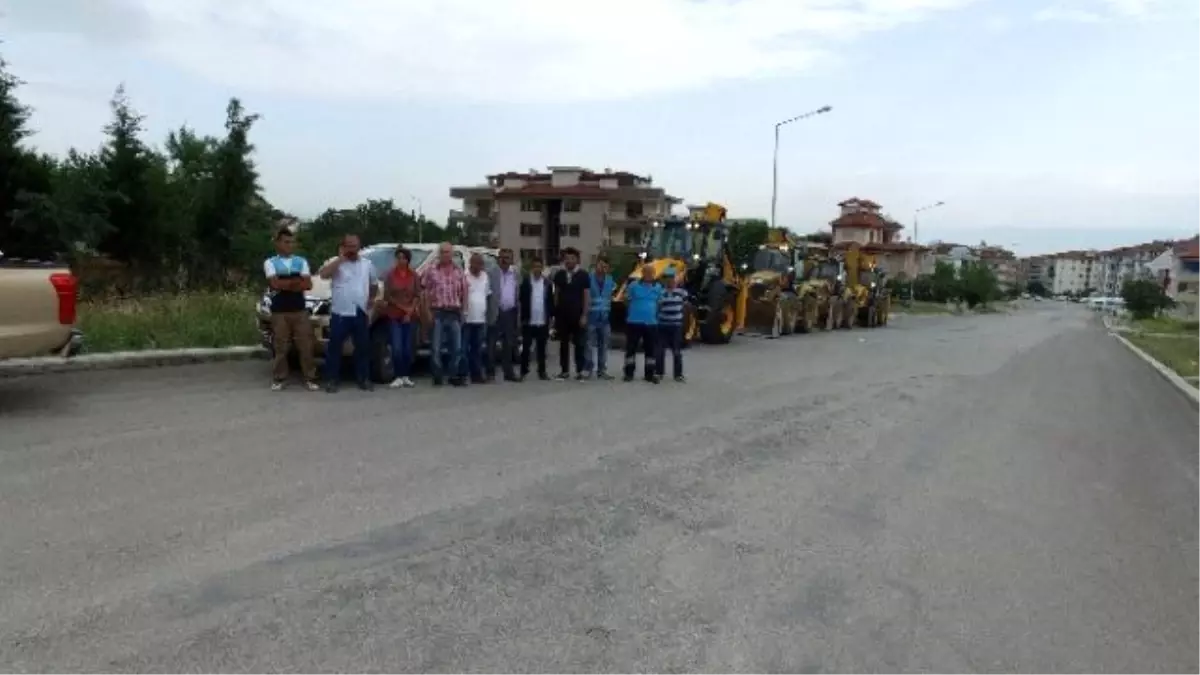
[(1096, 11), (512, 51)]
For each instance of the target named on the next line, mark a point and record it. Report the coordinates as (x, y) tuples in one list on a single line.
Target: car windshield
[(384, 258)]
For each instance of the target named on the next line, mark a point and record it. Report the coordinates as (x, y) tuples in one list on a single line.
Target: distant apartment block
[(1094, 271), (539, 213), (1178, 270)]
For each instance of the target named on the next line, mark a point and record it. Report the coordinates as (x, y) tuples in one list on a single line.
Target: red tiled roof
[(1188, 250), (855, 200), (858, 219)]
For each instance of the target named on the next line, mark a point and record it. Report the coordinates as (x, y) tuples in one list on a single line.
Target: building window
[(633, 236), (633, 209), (528, 254), (568, 230), (531, 206), (1183, 287), (572, 206), (531, 229)]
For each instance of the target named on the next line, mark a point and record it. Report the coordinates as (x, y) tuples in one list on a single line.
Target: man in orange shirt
[(402, 291)]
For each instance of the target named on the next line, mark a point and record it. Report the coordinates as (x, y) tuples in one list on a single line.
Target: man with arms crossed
[(289, 278), (353, 285)]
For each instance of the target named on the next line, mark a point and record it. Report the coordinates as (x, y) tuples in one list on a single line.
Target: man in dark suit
[(536, 305)]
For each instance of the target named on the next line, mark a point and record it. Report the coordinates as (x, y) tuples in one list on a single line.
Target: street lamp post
[(775, 159), (916, 214), (419, 215)]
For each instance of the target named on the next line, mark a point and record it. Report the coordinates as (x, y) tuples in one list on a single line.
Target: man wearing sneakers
[(289, 277), (670, 326)]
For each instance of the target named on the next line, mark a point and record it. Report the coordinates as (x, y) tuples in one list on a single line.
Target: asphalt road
[(995, 493)]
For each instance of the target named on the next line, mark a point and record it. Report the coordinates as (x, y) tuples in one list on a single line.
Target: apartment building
[(539, 213), (1002, 262), (1074, 272), (955, 255), (1119, 265)]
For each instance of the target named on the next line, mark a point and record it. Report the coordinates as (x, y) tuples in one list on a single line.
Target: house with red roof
[(861, 222)]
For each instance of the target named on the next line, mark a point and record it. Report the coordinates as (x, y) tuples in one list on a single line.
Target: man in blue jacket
[(641, 326), (599, 331)]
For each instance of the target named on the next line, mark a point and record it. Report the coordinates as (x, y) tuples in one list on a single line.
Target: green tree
[(944, 283), (977, 285), (24, 177), (744, 239), (1144, 298), (134, 185)]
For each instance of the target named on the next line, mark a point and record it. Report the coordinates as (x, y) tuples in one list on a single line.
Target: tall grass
[(170, 321)]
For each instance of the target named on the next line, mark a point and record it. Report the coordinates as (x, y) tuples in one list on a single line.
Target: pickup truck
[(38, 303)]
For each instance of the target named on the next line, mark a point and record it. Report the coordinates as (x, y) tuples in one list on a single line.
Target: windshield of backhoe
[(769, 259), (670, 241), (829, 270)]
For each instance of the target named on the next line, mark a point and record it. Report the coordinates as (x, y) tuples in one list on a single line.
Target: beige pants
[(291, 327)]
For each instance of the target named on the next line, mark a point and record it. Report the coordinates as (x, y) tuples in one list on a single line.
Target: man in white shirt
[(536, 305), (479, 287), (353, 286)]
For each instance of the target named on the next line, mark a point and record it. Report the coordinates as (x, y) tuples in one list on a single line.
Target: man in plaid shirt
[(445, 294)]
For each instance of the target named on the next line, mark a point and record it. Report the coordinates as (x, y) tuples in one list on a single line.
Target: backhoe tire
[(710, 329)]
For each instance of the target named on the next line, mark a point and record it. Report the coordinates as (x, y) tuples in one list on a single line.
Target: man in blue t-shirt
[(641, 323), (289, 278), (670, 326)]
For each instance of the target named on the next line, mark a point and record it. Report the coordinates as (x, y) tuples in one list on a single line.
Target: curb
[(1169, 375), (115, 360)]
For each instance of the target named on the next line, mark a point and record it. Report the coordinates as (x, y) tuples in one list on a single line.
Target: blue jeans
[(402, 347), (353, 327), (599, 335), (670, 337), (474, 335), (447, 343)]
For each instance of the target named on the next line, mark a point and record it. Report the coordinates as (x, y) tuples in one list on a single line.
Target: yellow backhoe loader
[(773, 307), (696, 248)]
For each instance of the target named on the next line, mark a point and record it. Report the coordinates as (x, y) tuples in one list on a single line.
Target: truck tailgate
[(33, 321)]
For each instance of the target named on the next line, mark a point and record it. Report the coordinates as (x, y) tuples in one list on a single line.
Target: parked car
[(383, 257)]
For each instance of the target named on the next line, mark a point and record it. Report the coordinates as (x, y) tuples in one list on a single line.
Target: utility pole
[(917, 241), (775, 159)]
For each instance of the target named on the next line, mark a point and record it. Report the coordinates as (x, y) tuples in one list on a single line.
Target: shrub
[(170, 321)]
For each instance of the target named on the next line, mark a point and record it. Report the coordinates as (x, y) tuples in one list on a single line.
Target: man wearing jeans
[(445, 295), (598, 329), (353, 284), (504, 315), (475, 323)]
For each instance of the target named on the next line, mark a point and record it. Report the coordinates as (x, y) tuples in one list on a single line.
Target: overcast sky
[(1045, 125)]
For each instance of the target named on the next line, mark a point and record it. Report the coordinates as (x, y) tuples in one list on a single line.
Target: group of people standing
[(476, 317)]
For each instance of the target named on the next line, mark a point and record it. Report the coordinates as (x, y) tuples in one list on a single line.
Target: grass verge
[(1166, 326), (1177, 353), (169, 322)]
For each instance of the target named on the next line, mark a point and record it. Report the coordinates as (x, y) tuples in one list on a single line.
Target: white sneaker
[(276, 386), (397, 383), (408, 383)]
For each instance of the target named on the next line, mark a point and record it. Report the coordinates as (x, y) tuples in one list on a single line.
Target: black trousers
[(640, 335), (571, 337), (533, 339)]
